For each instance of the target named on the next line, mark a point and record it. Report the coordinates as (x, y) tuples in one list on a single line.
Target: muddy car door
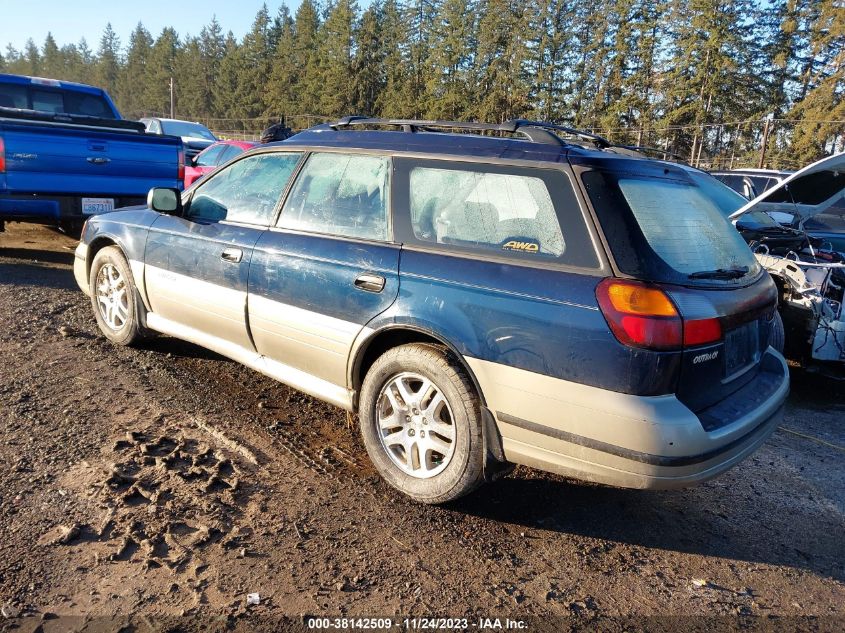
[(197, 265), (326, 269)]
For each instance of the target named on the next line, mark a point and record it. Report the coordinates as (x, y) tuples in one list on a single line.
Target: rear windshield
[(668, 230), (54, 101)]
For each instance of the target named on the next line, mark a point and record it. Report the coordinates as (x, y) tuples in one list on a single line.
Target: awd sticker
[(522, 246)]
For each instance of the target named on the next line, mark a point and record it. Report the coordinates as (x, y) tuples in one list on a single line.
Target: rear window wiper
[(720, 273)]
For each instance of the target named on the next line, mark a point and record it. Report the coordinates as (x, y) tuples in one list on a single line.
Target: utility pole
[(766, 131), (172, 101)]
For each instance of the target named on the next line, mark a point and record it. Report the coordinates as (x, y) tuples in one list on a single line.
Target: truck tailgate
[(47, 158)]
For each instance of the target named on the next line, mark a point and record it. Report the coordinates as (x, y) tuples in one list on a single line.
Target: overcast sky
[(70, 20)]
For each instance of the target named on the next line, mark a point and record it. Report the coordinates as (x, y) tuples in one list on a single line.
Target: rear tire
[(777, 335), (421, 423), (117, 306)]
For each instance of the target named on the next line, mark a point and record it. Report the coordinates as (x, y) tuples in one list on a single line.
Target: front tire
[(421, 423), (115, 300)]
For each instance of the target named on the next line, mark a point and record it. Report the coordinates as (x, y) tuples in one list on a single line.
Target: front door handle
[(370, 282), (234, 255)]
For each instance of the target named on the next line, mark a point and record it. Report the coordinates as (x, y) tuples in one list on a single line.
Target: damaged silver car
[(782, 228)]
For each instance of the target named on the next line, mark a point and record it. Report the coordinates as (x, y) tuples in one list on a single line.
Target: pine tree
[(817, 132), (212, 48), (419, 15), (52, 64), (502, 85), (192, 90), (368, 63), (133, 78), (161, 67), (253, 68), (448, 77), (31, 59), (108, 62), (334, 59), (548, 64), (224, 88), (281, 89), (396, 99)]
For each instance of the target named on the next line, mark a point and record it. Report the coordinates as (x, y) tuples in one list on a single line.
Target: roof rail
[(522, 126)]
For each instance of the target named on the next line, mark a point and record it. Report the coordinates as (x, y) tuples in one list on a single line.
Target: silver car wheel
[(415, 424), (112, 299)]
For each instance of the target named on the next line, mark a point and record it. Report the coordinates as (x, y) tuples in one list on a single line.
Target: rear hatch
[(666, 234), (68, 159)]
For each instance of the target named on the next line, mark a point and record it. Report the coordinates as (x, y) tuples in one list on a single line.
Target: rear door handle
[(234, 255), (370, 282)]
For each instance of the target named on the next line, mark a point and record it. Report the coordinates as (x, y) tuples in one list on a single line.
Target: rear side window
[(495, 211), (667, 230), (476, 208), (340, 194)]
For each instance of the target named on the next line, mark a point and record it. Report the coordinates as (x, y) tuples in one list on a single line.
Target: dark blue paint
[(318, 273), (539, 320), (195, 250)]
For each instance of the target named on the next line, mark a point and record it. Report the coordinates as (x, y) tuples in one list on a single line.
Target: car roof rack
[(537, 131)]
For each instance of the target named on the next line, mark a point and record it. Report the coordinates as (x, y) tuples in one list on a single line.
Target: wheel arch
[(97, 244), (392, 336)]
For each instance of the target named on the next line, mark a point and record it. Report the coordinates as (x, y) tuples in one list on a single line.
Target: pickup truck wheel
[(115, 300), (421, 423)]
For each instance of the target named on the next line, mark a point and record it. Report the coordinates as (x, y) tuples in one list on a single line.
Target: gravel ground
[(168, 482)]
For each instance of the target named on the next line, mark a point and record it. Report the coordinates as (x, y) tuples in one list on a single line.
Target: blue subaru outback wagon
[(481, 295)]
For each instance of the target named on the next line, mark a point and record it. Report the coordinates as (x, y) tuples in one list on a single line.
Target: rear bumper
[(619, 439), (52, 209)]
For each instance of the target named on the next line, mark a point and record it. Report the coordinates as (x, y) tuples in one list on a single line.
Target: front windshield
[(186, 128), (728, 201)]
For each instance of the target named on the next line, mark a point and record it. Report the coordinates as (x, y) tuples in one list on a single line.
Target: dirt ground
[(168, 482)]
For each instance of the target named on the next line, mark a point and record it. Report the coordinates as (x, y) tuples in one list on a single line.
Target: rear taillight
[(643, 315), (180, 175), (2, 156)]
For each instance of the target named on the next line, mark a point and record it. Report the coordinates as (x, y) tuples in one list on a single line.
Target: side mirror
[(165, 200), (193, 160)]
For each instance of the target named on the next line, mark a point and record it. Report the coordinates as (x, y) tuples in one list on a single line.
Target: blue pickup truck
[(66, 154)]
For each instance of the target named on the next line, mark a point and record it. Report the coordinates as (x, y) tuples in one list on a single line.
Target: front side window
[(504, 212), (246, 191), (340, 194)]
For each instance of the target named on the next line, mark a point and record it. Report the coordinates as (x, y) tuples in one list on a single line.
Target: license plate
[(742, 347), (93, 206)]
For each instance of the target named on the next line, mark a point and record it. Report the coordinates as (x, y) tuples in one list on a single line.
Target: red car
[(212, 157)]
